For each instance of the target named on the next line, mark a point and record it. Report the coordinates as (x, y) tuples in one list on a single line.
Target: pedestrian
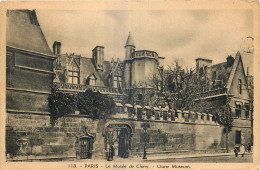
[(236, 150), (249, 147), (112, 151), (110, 154), (242, 150)]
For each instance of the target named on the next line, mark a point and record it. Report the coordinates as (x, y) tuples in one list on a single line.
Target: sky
[(174, 34)]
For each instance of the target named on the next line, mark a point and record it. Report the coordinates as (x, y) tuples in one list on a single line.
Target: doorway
[(118, 136), (238, 137)]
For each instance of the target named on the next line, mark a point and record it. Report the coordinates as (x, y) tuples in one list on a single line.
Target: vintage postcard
[(129, 85)]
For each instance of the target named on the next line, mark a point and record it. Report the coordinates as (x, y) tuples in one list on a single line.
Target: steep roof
[(130, 40), (225, 73), (24, 32), (237, 59), (87, 68)]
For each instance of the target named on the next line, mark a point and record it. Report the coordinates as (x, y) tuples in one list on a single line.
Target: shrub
[(95, 104), (60, 104)]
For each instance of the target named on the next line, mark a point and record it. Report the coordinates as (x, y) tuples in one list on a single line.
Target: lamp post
[(144, 157), (145, 125)]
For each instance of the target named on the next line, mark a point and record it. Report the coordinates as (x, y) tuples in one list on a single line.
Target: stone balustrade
[(144, 53), (81, 88)]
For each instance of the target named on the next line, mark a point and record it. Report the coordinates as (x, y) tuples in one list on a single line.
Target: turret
[(129, 47)]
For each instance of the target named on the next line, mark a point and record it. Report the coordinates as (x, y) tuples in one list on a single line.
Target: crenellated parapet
[(148, 113)]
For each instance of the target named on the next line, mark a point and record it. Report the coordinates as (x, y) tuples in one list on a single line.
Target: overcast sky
[(174, 34)]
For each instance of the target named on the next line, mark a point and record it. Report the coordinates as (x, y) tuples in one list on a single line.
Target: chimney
[(202, 62), (230, 61), (56, 48), (98, 57)]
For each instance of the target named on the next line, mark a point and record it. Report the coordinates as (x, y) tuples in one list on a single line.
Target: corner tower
[(129, 47), (129, 50)]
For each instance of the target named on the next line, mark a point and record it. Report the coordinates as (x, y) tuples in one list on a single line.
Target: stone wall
[(60, 141)]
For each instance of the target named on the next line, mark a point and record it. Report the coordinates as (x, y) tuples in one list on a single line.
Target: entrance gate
[(118, 136)]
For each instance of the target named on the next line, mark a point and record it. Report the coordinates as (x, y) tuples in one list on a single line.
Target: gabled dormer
[(91, 80), (73, 69)]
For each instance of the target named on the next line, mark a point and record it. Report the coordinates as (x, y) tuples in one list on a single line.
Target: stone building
[(227, 82), (29, 74), (133, 73)]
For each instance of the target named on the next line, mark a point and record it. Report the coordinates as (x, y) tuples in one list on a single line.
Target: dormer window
[(73, 77), (117, 82), (91, 80), (73, 73)]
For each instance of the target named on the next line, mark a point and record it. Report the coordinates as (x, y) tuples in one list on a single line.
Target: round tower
[(129, 47), (129, 50)]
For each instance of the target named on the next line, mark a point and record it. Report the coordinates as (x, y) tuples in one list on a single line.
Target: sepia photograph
[(124, 86)]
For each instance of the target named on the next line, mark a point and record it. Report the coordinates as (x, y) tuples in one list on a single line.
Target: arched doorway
[(118, 136)]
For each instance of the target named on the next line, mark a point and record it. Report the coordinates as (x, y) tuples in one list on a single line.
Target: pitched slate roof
[(222, 70), (87, 68), (225, 72), (24, 32)]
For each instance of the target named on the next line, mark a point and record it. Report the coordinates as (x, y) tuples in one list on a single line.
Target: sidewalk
[(134, 159), (163, 157)]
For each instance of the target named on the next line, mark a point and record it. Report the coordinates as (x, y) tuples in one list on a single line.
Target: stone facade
[(177, 134), (230, 80)]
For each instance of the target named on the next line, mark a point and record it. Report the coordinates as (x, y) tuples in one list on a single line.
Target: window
[(247, 110), (238, 137), (117, 82), (240, 86), (73, 77), (9, 68), (91, 80), (238, 109), (73, 69)]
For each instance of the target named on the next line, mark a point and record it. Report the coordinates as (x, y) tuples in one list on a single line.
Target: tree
[(223, 115), (178, 86), (95, 104)]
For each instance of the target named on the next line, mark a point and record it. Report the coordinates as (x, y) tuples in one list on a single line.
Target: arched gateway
[(118, 136)]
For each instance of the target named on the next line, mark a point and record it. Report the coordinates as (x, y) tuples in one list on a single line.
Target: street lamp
[(145, 128)]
